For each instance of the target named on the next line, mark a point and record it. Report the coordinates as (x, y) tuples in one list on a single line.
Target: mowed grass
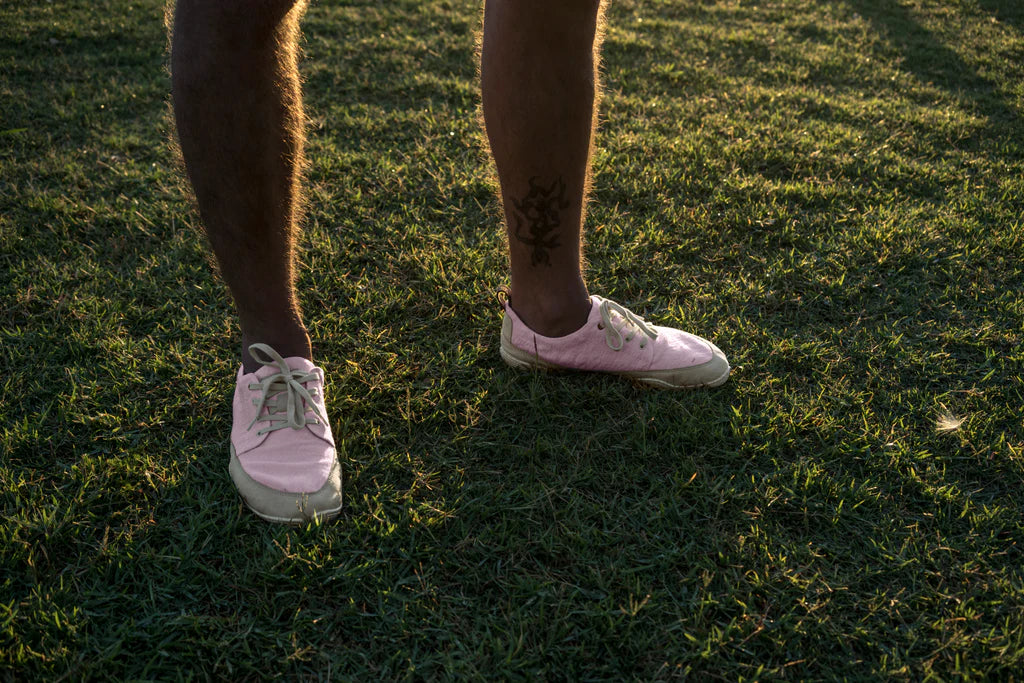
[(831, 191)]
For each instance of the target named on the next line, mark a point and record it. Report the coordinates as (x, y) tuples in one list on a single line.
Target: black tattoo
[(539, 211)]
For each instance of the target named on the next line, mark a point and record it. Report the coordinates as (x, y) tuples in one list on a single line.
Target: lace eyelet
[(600, 326)]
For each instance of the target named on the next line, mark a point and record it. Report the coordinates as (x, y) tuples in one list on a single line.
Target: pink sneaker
[(616, 340), (282, 452)]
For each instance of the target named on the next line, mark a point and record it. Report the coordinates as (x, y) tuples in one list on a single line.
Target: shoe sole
[(307, 506), (522, 360)]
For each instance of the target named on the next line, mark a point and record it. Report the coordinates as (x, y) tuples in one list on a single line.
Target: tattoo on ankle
[(538, 211)]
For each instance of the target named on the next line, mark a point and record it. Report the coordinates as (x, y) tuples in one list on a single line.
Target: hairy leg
[(539, 86), (238, 111)]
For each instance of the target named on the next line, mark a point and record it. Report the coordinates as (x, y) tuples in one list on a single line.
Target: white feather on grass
[(947, 421)]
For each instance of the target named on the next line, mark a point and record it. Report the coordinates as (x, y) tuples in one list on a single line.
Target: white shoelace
[(634, 323), (286, 384)]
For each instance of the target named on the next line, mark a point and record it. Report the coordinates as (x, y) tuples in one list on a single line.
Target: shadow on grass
[(930, 60), (1007, 11), (73, 87)]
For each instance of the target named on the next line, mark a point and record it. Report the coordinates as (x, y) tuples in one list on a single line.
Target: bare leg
[(539, 84), (238, 109)]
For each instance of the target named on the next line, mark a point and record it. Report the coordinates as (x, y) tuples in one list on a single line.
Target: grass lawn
[(832, 190)]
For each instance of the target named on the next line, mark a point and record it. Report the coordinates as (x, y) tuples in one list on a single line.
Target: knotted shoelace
[(634, 323), (283, 387)]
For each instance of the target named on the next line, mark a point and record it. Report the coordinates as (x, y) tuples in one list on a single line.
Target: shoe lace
[(634, 324), (284, 387)]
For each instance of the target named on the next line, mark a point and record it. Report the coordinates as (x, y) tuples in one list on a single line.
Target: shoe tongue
[(293, 363)]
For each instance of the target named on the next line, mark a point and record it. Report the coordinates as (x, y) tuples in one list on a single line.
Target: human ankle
[(289, 343), (552, 316)]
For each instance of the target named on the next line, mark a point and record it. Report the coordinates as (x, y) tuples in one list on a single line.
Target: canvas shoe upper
[(283, 459), (617, 341)]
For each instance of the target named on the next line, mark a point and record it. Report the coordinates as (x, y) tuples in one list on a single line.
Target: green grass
[(830, 190)]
